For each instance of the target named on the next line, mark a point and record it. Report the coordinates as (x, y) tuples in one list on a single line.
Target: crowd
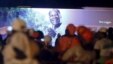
[(79, 45)]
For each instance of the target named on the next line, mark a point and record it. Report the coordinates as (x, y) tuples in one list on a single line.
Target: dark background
[(56, 3)]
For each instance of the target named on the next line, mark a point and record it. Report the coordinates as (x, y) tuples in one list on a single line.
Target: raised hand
[(51, 32)]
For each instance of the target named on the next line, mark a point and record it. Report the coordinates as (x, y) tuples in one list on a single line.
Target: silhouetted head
[(81, 30), (103, 29), (70, 29), (19, 25), (110, 33), (41, 35), (85, 33), (0, 37), (110, 30), (47, 39)]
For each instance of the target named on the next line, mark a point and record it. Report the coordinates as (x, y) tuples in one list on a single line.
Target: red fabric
[(35, 34), (66, 43), (85, 33), (109, 61), (87, 36), (81, 30)]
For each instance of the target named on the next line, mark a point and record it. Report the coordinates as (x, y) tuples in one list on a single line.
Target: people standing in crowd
[(67, 41), (74, 52), (103, 46), (77, 45), (38, 37)]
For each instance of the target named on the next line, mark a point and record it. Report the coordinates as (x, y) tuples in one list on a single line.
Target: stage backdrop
[(39, 19)]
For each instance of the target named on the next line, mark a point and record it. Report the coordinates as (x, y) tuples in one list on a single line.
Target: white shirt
[(60, 30)]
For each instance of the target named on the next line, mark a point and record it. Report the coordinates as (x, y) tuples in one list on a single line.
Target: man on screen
[(56, 26), (54, 16)]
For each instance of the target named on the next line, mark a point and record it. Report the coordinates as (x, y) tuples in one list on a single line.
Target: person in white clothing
[(56, 26)]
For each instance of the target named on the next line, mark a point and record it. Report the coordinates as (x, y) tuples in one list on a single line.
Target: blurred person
[(30, 32), (100, 33), (45, 49), (38, 36), (48, 54), (1, 48), (47, 40), (19, 25), (68, 40), (103, 46), (110, 61), (103, 29), (57, 39), (85, 36), (77, 54), (4, 34), (71, 47), (81, 29), (1, 41), (20, 49), (2, 44), (41, 35), (110, 33)]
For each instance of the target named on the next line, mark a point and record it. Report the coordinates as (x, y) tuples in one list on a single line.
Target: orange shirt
[(109, 61), (66, 43)]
